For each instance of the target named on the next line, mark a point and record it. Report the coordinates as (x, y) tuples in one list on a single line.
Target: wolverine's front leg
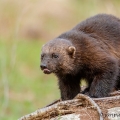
[(69, 88)]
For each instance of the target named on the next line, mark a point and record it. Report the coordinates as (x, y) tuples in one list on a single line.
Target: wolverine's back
[(104, 27)]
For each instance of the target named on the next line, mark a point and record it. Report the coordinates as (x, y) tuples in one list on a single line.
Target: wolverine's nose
[(43, 66)]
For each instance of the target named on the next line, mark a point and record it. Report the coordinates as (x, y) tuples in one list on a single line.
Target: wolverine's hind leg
[(104, 82)]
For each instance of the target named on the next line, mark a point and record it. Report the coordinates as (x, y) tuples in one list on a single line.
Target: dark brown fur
[(91, 50)]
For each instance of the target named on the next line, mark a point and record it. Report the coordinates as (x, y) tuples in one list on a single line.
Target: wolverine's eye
[(42, 56), (54, 55)]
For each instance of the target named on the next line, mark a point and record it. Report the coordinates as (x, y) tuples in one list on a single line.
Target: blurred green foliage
[(25, 26), (23, 87)]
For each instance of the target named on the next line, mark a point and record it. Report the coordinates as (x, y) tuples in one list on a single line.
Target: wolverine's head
[(58, 56)]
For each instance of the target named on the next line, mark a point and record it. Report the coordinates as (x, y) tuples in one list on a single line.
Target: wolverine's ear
[(71, 51)]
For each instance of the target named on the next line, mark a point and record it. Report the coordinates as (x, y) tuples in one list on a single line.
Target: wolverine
[(90, 51)]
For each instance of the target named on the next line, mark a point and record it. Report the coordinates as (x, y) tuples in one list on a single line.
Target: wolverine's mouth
[(46, 71)]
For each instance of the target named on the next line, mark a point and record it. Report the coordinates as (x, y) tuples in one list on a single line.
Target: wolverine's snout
[(43, 66)]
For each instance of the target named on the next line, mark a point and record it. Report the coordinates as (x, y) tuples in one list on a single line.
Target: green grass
[(28, 88)]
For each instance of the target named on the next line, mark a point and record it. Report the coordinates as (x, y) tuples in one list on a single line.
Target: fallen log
[(81, 107)]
